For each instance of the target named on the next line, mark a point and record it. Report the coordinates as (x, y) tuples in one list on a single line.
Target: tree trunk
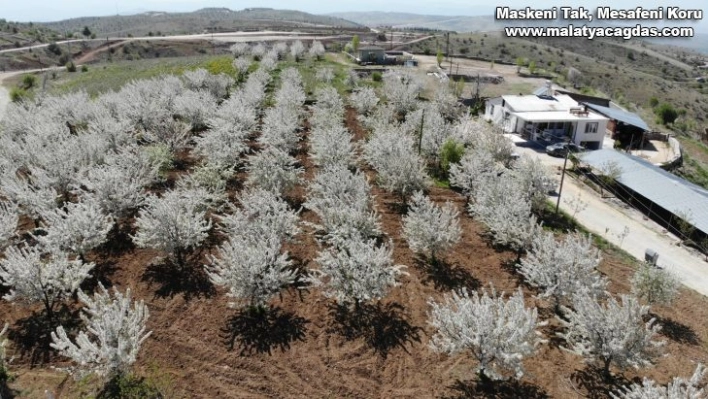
[(606, 369)]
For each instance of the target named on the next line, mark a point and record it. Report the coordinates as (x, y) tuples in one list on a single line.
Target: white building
[(548, 118)]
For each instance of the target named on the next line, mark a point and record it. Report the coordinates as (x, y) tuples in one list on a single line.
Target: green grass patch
[(441, 183), (106, 77)]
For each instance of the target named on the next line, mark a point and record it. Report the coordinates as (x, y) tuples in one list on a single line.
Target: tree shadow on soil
[(173, 279), (593, 384), (676, 331), (446, 276), (260, 330), (384, 327), (32, 334), (118, 240), (511, 389), (101, 273)]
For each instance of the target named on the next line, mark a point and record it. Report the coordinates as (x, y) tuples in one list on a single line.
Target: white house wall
[(598, 136)]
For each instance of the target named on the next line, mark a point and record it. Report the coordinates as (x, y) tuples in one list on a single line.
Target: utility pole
[(447, 47), (565, 163), (420, 137)]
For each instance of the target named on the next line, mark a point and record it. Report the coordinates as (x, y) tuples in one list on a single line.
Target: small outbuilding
[(371, 54)]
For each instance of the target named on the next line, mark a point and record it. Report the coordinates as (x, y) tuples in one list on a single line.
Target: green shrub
[(667, 113), (70, 67), (18, 94), (128, 386), (653, 102), (162, 156), (84, 68), (376, 76), (450, 153), (29, 81)]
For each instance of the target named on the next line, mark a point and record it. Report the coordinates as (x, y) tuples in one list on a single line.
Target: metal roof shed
[(668, 191), (620, 116)]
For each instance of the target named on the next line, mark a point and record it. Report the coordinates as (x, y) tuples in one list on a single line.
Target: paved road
[(223, 37), (607, 217), (4, 95)]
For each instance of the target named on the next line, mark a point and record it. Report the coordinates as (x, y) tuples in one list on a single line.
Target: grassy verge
[(562, 222), (106, 77)]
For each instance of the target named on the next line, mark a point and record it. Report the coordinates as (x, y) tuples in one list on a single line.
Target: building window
[(591, 127)]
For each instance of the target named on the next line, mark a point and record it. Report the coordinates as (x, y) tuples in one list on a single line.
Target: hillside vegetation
[(204, 20), (636, 75), (17, 34)]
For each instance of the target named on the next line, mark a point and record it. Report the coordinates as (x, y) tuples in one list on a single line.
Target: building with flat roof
[(549, 118)]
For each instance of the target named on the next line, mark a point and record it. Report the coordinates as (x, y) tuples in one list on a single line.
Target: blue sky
[(52, 10)]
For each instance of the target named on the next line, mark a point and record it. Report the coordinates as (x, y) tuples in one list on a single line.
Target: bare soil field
[(309, 349)]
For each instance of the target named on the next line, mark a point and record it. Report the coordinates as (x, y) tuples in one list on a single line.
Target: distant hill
[(207, 19), (16, 34), (407, 20), (698, 43)]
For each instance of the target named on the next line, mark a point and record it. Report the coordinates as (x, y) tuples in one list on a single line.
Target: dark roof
[(620, 116), (669, 191), (495, 101), (585, 98), (371, 48)]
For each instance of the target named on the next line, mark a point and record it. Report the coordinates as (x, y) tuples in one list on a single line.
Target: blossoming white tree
[(273, 170), (331, 146), (400, 169), (654, 285), (115, 330), (357, 271), (239, 49), (364, 99), (262, 213), (506, 213), (8, 222), (173, 224), (34, 276), (613, 334), (241, 65), (498, 332), (325, 75), (342, 200), (678, 388), (317, 50), (402, 89), (563, 269), (76, 228), (535, 181), (297, 49), (429, 228), (252, 268), (475, 167)]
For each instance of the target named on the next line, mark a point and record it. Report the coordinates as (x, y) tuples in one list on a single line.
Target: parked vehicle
[(560, 149)]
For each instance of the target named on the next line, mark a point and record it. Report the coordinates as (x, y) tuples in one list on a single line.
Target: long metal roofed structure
[(668, 191), (619, 115)]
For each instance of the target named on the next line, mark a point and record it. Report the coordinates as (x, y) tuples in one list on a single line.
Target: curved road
[(222, 37)]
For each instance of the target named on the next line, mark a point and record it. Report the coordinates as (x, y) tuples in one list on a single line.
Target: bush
[(28, 81), (376, 76), (18, 94), (54, 48), (653, 102), (129, 386), (450, 153), (667, 113), (84, 68), (70, 67)]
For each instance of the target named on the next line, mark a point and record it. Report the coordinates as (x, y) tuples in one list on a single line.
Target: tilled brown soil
[(309, 350)]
